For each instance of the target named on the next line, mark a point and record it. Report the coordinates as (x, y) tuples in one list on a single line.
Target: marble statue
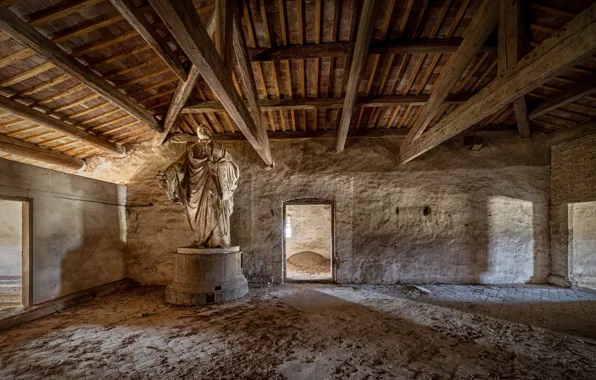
[(204, 179)]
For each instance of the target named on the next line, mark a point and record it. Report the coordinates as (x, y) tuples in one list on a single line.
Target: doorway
[(308, 241), (14, 254)]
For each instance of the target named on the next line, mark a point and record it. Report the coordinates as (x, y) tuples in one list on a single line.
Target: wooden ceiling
[(301, 52)]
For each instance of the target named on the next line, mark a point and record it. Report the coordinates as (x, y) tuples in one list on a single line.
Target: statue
[(204, 179)]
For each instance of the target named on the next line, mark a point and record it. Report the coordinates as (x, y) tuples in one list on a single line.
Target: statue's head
[(203, 132)]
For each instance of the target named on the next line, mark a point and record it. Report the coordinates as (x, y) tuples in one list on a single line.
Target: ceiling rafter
[(25, 34), (365, 30), (571, 45), (183, 22), (482, 25), (141, 25)]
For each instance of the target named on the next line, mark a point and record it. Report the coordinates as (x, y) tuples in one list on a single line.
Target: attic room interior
[(298, 189)]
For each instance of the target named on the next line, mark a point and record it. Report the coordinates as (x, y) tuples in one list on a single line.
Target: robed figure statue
[(204, 179)]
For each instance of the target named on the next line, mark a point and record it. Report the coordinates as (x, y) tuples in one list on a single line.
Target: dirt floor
[(310, 331), (308, 266)]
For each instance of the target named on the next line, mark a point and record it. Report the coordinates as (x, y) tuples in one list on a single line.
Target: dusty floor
[(298, 272), (309, 331)]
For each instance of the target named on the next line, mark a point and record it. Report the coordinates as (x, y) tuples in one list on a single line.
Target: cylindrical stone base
[(206, 275)]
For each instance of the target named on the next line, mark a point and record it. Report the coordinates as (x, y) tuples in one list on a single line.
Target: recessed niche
[(426, 210)]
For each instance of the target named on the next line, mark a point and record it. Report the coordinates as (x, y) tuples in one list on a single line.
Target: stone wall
[(583, 243), (11, 239), (78, 228), (573, 182), (311, 229), (451, 216)]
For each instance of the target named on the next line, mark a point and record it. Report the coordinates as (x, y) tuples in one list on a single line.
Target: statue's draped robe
[(204, 180)]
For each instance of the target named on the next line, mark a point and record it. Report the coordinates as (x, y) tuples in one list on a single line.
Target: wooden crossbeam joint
[(569, 46), (184, 24)]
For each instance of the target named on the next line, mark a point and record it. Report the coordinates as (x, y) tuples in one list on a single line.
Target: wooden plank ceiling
[(301, 52)]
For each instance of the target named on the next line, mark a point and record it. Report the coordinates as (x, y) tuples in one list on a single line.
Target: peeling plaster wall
[(573, 231), (311, 229), (76, 238), (11, 239), (488, 220)]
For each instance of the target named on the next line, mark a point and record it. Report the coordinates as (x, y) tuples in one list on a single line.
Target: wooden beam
[(330, 134), (334, 103), (572, 44), (18, 29), (224, 12), (181, 95), (139, 22), (576, 132), (340, 49), (564, 99), (27, 150), (521, 117), (511, 49), (246, 72), (366, 26), (483, 23), (37, 117), (185, 25), (31, 151)]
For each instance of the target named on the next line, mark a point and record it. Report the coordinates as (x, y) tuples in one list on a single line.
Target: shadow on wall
[(509, 248), (93, 245), (454, 233)]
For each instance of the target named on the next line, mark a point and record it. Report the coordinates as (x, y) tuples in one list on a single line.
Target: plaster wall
[(583, 243), (488, 219), (311, 229), (573, 183), (11, 238), (78, 228)]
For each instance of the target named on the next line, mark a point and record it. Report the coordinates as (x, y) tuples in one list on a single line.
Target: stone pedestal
[(206, 275)]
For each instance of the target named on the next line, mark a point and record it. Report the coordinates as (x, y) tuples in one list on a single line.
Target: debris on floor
[(308, 331)]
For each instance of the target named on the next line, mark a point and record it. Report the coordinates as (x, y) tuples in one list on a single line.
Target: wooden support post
[(246, 73), (484, 22), (569, 46), (224, 11), (181, 95), (23, 111), (365, 30), (18, 29), (140, 23), (511, 49), (185, 25)]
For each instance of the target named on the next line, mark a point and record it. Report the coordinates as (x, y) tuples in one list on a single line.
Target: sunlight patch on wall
[(510, 240)]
